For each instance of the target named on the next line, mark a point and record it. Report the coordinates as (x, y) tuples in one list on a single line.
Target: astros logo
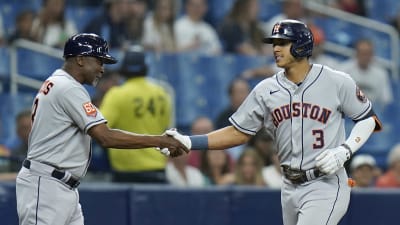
[(276, 28)]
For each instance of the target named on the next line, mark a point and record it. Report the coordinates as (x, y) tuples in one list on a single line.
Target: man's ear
[(79, 60)]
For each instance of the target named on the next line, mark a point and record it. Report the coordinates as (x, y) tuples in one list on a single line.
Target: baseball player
[(303, 107), (63, 122)]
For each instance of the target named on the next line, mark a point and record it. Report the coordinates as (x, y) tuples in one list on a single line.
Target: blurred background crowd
[(207, 55)]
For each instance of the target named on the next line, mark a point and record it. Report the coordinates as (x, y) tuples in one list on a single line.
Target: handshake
[(175, 144)]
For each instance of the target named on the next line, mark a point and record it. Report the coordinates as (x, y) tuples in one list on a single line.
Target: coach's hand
[(172, 147), (164, 151), (331, 160), (184, 139)]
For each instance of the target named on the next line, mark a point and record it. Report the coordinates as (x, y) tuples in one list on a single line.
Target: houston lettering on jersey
[(314, 112), (46, 86)]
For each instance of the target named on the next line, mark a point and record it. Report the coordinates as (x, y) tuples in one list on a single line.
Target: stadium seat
[(10, 106), (81, 15), (10, 9), (4, 64), (36, 65)]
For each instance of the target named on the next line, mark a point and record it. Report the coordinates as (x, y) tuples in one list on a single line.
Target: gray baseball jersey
[(304, 119), (62, 113)]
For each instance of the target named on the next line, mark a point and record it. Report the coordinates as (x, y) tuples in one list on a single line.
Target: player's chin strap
[(360, 134)]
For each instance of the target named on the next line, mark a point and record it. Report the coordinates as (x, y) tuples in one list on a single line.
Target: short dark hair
[(134, 63)]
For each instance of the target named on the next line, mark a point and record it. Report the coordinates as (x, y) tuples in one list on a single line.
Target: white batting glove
[(184, 139), (331, 160), (164, 151)]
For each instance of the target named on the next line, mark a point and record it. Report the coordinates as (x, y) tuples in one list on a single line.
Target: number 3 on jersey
[(319, 138)]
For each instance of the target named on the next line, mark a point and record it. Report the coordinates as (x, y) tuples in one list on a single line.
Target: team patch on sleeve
[(360, 95), (90, 109)]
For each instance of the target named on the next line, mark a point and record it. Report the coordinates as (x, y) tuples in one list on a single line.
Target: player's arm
[(361, 131), (331, 160), (113, 138), (223, 138)]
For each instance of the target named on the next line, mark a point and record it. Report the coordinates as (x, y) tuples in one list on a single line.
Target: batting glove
[(184, 139), (164, 151), (331, 160)]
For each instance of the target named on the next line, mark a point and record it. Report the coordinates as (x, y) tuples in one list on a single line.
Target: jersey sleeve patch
[(90, 109), (360, 95)]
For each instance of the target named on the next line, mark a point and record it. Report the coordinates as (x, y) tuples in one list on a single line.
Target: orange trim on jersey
[(90, 109), (378, 124)]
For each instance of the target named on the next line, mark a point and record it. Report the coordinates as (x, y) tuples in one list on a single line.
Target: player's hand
[(175, 147), (184, 139), (331, 160), (164, 151)]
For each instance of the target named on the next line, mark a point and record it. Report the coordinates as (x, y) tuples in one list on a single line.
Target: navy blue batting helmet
[(295, 31), (86, 44)]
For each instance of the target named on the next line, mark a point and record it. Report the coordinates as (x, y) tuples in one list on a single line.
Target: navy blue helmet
[(295, 31), (86, 44)]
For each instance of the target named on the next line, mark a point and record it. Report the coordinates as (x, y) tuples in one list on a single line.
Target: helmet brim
[(270, 39), (108, 59)]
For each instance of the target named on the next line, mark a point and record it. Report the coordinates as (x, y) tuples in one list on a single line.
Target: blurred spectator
[(137, 10), (391, 178), (5, 175), (107, 81), (238, 90), (291, 9), (248, 169), (395, 22), (110, 23), (51, 27), (264, 145), (201, 125), (364, 171), (140, 106), (24, 22), (319, 55), (352, 6), (370, 76), (159, 27), (272, 174), (19, 146), (179, 173), (240, 31), (14, 151), (192, 33), (216, 167)]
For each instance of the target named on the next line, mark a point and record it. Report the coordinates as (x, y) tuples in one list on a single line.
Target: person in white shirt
[(158, 33), (51, 27), (179, 173), (372, 78), (192, 33)]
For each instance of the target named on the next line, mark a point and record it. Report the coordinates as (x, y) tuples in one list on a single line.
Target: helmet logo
[(276, 28)]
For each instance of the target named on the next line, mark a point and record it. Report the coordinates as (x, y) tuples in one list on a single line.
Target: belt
[(63, 176), (301, 176)]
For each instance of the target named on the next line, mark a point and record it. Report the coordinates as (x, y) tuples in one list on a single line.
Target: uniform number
[(34, 108), (319, 138), (153, 106)]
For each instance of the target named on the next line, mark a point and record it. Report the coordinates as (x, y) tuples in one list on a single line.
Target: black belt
[(72, 182), (301, 176)]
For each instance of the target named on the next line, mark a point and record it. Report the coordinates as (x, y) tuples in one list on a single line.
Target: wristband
[(350, 153), (199, 142)]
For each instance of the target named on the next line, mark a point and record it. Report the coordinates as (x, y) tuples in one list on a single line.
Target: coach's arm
[(114, 138)]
